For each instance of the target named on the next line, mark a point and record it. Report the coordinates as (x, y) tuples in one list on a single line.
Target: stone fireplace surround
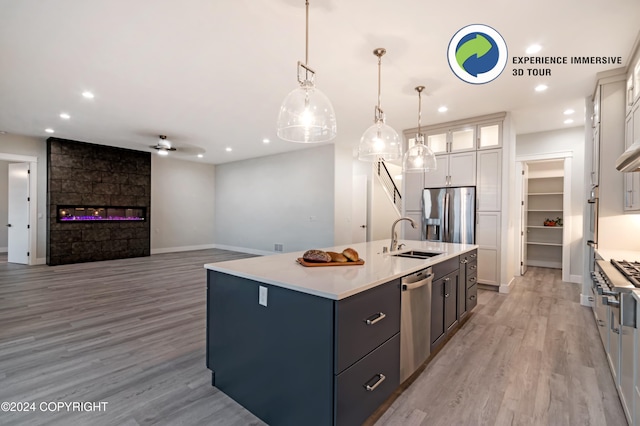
[(80, 173)]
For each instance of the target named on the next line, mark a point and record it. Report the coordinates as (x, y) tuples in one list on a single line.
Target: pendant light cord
[(379, 72), (419, 138), (306, 46)]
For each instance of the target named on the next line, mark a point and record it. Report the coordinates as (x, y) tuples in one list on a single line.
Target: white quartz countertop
[(338, 282), (630, 255)]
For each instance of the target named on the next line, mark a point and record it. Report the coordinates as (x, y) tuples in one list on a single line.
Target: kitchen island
[(321, 345)]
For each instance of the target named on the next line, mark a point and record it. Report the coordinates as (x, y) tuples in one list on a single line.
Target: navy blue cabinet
[(303, 359)]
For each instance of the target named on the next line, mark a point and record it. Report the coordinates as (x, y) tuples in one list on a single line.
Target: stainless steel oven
[(592, 237)]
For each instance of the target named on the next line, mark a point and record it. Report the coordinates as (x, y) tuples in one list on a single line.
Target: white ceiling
[(212, 74)]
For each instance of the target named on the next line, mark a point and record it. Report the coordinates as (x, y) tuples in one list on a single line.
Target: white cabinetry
[(453, 170), (468, 153), (489, 180), (631, 196), (488, 240), (632, 180)]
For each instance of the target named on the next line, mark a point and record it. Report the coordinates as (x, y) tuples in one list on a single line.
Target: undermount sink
[(417, 254)]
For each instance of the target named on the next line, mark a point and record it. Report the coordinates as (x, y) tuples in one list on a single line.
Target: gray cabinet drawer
[(472, 280), (354, 402), (472, 297), (472, 268), (364, 321), (472, 256), (443, 268)]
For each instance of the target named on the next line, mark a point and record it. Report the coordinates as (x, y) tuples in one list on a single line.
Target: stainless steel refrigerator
[(449, 214)]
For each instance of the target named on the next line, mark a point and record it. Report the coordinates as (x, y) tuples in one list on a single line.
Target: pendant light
[(306, 114), (419, 158), (379, 141)]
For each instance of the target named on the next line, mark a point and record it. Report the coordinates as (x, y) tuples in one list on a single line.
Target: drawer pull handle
[(591, 299), (616, 330), (379, 378), (473, 267), (473, 256), (375, 318), (472, 298), (472, 279), (464, 261)]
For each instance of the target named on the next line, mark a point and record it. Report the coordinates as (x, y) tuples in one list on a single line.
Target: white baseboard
[(4, 249), (243, 249), (182, 248), (506, 288), (543, 264), (575, 279), (41, 261), (584, 300)]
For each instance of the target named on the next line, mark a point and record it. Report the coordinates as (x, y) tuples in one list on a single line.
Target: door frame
[(567, 156), (33, 203)]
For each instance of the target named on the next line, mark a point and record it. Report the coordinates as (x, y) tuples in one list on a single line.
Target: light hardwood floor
[(132, 333)]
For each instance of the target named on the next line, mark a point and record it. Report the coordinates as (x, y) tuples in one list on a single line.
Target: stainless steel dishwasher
[(415, 324)]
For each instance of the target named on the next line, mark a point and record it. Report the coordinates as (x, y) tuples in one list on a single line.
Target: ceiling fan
[(163, 146)]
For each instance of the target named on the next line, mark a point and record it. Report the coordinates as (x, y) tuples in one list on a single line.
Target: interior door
[(18, 223), (524, 218), (359, 210)]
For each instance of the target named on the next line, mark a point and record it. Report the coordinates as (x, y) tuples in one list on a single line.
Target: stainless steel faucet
[(394, 235)]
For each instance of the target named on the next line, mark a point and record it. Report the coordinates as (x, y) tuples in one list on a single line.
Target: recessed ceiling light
[(533, 49), (88, 95), (65, 116), (265, 140), (568, 121), (541, 87), (200, 156), (443, 109), (229, 149), (49, 130), (568, 111)]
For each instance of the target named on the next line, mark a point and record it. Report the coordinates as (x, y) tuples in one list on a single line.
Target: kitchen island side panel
[(275, 360)]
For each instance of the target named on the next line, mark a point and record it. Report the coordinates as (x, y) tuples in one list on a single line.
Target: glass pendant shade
[(419, 158), (379, 141), (306, 116)]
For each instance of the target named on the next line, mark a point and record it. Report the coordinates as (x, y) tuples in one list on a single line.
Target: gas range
[(630, 270), (611, 278), (614, 309)]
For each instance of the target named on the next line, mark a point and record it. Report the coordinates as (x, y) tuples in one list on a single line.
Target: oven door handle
[(610, 300)]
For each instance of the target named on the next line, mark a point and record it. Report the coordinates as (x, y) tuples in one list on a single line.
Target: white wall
[(182, 205), (383, 214), (343, 189), (34, 147), (564, 140), (4, 203), (285, 199)]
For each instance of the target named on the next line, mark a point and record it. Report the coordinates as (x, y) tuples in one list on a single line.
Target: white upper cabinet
[(489, 180), (452, 170), (463, 139), (438, 142), (490, 135)]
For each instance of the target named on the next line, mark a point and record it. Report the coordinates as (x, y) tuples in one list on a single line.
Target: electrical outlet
[(278, 247), (262, 296)]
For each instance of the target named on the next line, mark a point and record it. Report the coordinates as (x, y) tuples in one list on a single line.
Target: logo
[(477, 54)]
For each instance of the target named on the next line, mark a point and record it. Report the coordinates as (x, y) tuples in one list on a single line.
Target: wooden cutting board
[(305, 263)]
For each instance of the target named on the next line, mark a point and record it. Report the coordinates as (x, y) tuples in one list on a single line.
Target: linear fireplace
[(68, 214)]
